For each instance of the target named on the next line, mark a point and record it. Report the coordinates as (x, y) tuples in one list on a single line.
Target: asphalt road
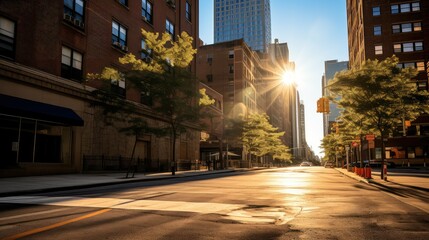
[(288, 203)]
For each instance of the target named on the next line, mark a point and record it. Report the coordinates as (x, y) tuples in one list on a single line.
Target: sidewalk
[(416, 180), (39, 184)]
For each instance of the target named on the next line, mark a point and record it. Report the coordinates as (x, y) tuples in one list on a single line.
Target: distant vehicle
[(305, 164), (329, 164)]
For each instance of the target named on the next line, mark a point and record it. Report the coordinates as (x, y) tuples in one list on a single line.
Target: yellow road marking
[(46, 228)]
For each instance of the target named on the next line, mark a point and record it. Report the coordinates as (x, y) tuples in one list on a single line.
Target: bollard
[(385, 172), (368, 172)]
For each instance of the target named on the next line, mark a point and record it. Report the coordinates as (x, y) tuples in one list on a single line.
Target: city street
[(284, 203)]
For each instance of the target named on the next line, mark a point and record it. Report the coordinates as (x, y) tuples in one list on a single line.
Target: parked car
[(305, 164), (329, 164)]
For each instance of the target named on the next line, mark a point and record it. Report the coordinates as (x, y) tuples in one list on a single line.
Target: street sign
[(370, 137)]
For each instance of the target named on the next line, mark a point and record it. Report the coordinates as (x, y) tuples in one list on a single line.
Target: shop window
[(25, 140)]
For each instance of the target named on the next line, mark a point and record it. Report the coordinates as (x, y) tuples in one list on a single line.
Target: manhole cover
[(263, 215)]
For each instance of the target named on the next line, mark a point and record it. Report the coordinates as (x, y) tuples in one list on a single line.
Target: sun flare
[(288, 78)]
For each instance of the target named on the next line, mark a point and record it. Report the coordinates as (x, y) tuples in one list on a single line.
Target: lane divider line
[(56, 225)]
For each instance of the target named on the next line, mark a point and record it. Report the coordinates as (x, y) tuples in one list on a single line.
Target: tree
[(260, 138), (381, 94), (163, 78)]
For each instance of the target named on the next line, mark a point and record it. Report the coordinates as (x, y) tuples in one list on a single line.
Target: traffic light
[(326, 105), (323, 105)]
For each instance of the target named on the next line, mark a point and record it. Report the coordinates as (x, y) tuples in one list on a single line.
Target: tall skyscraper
[(331, 68), (247, 19)]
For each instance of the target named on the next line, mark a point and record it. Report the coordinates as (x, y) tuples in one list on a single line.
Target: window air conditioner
[(77, 22), (171, 3), (67, 17)]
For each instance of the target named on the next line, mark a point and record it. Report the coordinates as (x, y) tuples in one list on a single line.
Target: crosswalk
[(129, 204)]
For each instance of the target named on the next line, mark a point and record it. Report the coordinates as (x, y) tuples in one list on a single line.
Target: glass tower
[(247, 19)]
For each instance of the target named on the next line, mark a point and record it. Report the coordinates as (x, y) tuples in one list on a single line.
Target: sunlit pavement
[(288, 203)]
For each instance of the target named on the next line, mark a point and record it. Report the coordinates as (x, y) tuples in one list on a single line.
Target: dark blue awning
[(26, 108)]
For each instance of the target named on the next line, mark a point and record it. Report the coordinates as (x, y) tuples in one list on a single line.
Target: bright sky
[(316, 31)]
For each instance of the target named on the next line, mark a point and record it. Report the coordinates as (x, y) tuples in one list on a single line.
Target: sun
[(288, 78)]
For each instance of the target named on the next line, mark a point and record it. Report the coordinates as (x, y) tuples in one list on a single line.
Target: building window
[(417, 26), (71, 64), (405, 7), (146, 52), (231, 54), (124, 2), (146, 98), (407, 27), (377, 30), (119, 36), (188, 11), (231, 68), (418, 46), (376, 11), (378, 49), (210, 78), (420, 66), (74, 12), (147, 11), (169, 28), (117, 86), (7, 38), (408, 47), (415, 6)]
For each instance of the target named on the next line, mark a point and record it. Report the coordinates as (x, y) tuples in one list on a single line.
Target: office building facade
[(243, 19), (331, 68)]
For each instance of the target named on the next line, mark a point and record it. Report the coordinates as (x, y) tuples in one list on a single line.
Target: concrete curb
[(371, 181), (353, 176), (101, 184)]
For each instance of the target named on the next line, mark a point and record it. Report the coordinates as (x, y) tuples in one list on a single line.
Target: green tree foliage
[(260, 138), (378, 96), (164, 79)]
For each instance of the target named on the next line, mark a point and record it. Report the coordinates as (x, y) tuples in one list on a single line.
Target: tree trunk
[(173, 163), (130, 166), (383, 161)]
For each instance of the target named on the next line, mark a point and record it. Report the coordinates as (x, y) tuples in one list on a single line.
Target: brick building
[(47, 121), (381, 28), (250, 82)]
